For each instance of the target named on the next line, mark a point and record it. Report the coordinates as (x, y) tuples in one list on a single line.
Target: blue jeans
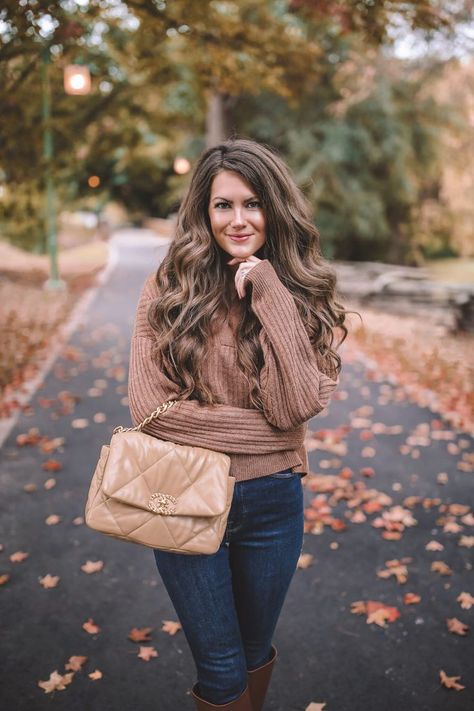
[(229, 602)]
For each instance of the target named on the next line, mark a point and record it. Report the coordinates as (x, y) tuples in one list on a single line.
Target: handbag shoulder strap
[(162, 408)]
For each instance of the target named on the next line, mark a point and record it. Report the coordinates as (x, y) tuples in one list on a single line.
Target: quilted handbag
[(160, 494)]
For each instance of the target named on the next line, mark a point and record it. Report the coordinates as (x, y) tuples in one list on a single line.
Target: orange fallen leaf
[(51, 465), (90, 626), (466, 541), (92, 566), (29, 487), (440, 567), (52, 519), (78, 521), (4, 578), (49, 445), (466, 600), (49, 484), (31, 437), (75, 663), (171, 626), (49, 581), (434, 546), (56, 681), (96, 674), (140, 634), (146, 653), (304, 560), (450, 682), (456, 626), (411, 598), (19, 556), (80, 423), (315, 706)]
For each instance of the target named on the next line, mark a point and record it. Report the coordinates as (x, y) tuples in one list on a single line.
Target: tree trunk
[(218, 118)]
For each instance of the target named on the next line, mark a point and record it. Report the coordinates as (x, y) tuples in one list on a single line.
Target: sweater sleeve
[(223, 428), (294, 388)]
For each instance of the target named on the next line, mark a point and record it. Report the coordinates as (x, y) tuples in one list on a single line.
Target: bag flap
[(149, 473)]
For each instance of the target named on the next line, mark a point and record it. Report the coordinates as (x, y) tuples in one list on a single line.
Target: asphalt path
[(327, 654)]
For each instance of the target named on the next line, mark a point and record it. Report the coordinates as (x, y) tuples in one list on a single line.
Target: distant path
[(327, 654)]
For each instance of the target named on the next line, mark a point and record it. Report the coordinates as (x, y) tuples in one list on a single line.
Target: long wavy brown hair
[(196, 284)]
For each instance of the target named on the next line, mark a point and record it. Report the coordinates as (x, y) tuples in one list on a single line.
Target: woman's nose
[(237, 218)]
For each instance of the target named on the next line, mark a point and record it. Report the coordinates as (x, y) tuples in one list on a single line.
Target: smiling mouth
[(239, 236)]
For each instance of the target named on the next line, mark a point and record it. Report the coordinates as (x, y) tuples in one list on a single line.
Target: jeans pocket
[(284, 474)]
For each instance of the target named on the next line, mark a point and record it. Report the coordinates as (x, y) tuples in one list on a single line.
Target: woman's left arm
[(294, 389)]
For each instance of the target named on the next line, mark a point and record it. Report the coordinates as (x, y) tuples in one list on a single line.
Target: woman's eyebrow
[(252, 197)]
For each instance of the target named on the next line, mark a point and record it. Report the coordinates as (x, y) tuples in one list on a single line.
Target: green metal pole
[(54, 282)]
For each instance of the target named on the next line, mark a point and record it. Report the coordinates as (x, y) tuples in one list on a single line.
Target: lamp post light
[(76, 81)]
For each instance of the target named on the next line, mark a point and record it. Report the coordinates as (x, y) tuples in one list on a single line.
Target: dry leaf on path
[(170, 626), (49, 484), (49, 581), (304, 560), (456, 626), (315, 706), (96, 674), (434, 546), (4, 578), (441, 567), (75, 663), (146, 653), (80, 423), (450, 682), (466, 600), (92, 566), (466, 541), (90, 626), (51, 465), (52, 519), (411, 598), (19, 556), (140, 634), (56, 681)]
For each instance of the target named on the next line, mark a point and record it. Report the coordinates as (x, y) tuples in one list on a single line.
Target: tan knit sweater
[(293, 387)]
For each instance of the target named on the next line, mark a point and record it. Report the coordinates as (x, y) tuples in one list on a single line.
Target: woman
[(237, 322)]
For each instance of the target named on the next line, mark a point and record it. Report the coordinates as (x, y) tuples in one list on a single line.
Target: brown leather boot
[(243, 703), (259, 680)]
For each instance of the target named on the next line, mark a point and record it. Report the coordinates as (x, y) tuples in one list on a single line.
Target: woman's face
[(236, 215)]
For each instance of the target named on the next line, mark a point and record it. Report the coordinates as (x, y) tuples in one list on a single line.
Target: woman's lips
[(239, 238)]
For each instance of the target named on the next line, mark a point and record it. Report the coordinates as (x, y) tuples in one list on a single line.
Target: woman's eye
[(254, 203), (218, 204)]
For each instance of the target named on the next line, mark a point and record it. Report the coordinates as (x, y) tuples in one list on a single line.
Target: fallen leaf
[(56, 681), (29, 487), (140, 635), (466, 600), (4, 578), (90, 626), (456, 626), (304, 560), (19, 556), (92, 566), (96, 674), (450, 682), (78, 521), (49, 581), (52, 519), (171, 626), (315, 706), (440, 567), (434, 546), (80, 423), (146, 653), (49, 484), (31, 437), (51, 465), (411, 598), (466, 541), (75, 663)]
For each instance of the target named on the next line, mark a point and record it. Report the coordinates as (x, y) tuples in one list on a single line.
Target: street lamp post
[(76, 81), (54, 282)]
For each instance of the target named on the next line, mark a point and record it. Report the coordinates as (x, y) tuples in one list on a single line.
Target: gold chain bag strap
[(160, 494)]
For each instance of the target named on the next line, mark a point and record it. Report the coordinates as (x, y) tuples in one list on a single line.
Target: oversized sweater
[(294, 389)]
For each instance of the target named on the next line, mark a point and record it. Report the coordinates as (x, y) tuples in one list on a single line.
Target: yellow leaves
[(146, 653), (91, 566), (456, 626), (450, 682), (49, 581)]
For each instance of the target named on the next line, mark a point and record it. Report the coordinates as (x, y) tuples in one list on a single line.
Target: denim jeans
[(229, 602)]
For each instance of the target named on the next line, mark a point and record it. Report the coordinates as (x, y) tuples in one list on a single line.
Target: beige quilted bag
[(160, 494)]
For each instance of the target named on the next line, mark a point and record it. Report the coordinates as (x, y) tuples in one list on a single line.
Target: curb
[(63, 333)]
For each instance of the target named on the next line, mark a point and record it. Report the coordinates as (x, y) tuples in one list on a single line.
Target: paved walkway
[(327, 653)]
